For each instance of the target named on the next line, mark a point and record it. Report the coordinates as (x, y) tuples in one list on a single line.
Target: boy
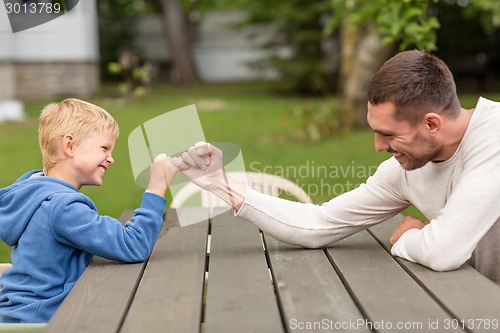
[(53, 229)]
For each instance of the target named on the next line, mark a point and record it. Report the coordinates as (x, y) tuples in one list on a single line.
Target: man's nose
[(381, 143)]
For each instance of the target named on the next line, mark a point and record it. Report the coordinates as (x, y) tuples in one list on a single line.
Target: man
[(445, 162)]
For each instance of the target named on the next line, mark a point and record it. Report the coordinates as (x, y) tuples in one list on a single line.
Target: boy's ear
[(67, 145)]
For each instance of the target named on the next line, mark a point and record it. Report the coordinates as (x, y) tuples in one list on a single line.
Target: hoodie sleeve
[(75, 222)]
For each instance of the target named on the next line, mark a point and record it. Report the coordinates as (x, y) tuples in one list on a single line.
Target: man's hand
[(409, 222), (162, 171), (202, 165)]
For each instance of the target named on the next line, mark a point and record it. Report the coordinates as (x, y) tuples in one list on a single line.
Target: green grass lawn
[(246, 114)]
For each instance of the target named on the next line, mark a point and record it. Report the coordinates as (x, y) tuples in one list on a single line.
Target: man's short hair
[(416, 83), (71, 116)]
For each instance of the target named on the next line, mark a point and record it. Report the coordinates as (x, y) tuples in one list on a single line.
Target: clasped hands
[(201, 164)]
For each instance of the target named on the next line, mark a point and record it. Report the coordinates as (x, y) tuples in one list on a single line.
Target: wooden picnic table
[(224, 275)]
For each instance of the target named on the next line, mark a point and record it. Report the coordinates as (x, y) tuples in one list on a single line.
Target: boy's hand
[(162, 171), (202, 165)]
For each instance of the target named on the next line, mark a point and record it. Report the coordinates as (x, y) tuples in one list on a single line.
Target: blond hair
[(75, 117)]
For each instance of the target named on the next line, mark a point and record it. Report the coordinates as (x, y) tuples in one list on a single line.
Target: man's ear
[(433, 123), (67, 145)]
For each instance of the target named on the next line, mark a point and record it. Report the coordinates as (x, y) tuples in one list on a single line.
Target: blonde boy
[(55, 230)]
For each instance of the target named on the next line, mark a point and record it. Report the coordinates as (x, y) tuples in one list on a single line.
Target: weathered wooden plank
[(170, 296), (468, 295), (388, 296), (240, 295), (312, 296), (100, 298)]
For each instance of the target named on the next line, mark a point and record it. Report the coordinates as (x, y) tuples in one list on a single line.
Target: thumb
[(160, 157)]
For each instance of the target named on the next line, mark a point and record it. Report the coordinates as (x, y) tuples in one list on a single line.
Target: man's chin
[(411, 166)]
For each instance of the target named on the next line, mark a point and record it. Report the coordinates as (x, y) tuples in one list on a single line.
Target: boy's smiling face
[(91, 159)]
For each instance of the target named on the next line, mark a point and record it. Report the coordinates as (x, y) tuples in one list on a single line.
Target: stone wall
[(46, 79), (7, 81)]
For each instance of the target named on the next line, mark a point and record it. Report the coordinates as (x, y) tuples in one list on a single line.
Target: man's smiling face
[(410, 145)]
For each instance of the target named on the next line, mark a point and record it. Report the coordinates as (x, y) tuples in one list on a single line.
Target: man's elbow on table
[(445, 264), (312, 240), (433, 255), (311, 245)]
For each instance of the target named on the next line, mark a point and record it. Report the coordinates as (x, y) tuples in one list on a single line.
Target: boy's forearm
[(159, 192), (162, 176)]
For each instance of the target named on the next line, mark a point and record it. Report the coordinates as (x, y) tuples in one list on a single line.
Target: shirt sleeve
[(75, 222), (314, 226)]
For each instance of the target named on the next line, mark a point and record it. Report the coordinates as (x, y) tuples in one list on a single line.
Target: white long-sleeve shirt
[(460, 197)]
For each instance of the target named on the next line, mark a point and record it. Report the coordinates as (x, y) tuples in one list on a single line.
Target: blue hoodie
[(55, 231)]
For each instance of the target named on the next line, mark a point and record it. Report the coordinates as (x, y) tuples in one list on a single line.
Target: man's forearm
[(231, 191)]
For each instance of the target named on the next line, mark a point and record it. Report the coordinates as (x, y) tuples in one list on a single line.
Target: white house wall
[(7, 73), (60, 57), (71, 37)]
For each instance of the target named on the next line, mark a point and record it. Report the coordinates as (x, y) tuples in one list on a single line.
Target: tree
[(178, 39), (372, 29), (117, 29), (370, 32), (295, 47)]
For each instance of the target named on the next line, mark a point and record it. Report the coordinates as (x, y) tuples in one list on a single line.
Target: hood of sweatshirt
[(20, 201)]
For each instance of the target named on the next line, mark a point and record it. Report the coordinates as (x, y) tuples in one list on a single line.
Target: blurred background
[(283, 79)]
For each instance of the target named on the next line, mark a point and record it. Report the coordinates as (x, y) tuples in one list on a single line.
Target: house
[(60, 57)]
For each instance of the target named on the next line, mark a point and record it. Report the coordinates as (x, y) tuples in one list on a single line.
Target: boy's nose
[(110, 159)]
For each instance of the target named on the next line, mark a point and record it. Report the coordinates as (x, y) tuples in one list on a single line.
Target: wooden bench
[(224, 275)]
